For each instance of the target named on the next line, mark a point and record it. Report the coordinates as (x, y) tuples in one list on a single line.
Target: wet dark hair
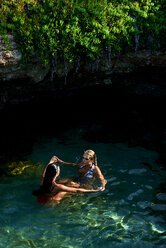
[(51, 171)]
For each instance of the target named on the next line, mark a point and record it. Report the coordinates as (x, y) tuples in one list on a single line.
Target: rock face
[(129, 62), (11, 68), (10, 64)]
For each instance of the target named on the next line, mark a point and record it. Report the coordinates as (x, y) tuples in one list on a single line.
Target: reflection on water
[(129, 213)]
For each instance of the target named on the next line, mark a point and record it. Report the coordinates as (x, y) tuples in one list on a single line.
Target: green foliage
[(75, 27)]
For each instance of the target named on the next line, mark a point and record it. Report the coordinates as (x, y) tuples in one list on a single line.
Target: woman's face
[(86, 159)]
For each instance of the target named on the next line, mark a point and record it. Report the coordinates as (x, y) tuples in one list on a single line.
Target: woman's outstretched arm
[(75, 190), (101, 177), (63, 162)]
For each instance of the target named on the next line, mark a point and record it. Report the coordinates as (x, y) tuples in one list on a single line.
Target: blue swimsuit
[(88, 177)]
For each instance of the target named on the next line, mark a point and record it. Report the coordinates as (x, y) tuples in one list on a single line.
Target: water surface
[(129, 213)]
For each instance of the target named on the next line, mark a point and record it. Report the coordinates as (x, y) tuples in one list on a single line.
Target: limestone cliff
[(11, 67), (19, 81)]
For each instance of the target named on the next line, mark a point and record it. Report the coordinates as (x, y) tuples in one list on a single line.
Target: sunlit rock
[(22, 167), (11, 66)]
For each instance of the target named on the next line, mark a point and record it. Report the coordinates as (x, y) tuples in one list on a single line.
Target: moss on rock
[(27, 168)]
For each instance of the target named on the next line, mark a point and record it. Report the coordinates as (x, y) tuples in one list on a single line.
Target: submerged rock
[(132, 195), (21, 167), (159, 207), (137, 171), (161, 196)]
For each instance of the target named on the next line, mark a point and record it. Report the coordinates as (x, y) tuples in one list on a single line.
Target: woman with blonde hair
[(52, 191), (88, 170)]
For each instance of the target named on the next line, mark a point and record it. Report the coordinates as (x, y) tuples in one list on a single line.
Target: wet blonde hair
[(92, 155)]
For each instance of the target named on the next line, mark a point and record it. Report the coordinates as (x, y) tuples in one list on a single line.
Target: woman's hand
[(55, 159), (102, 188), (99, 189)]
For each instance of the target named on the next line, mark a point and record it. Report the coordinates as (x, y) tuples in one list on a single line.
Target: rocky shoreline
[(123, 98)]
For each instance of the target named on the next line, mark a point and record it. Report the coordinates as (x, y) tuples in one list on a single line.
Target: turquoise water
[(129, 213)]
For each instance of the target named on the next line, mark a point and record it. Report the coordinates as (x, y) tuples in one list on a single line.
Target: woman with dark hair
[(52, 190)]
